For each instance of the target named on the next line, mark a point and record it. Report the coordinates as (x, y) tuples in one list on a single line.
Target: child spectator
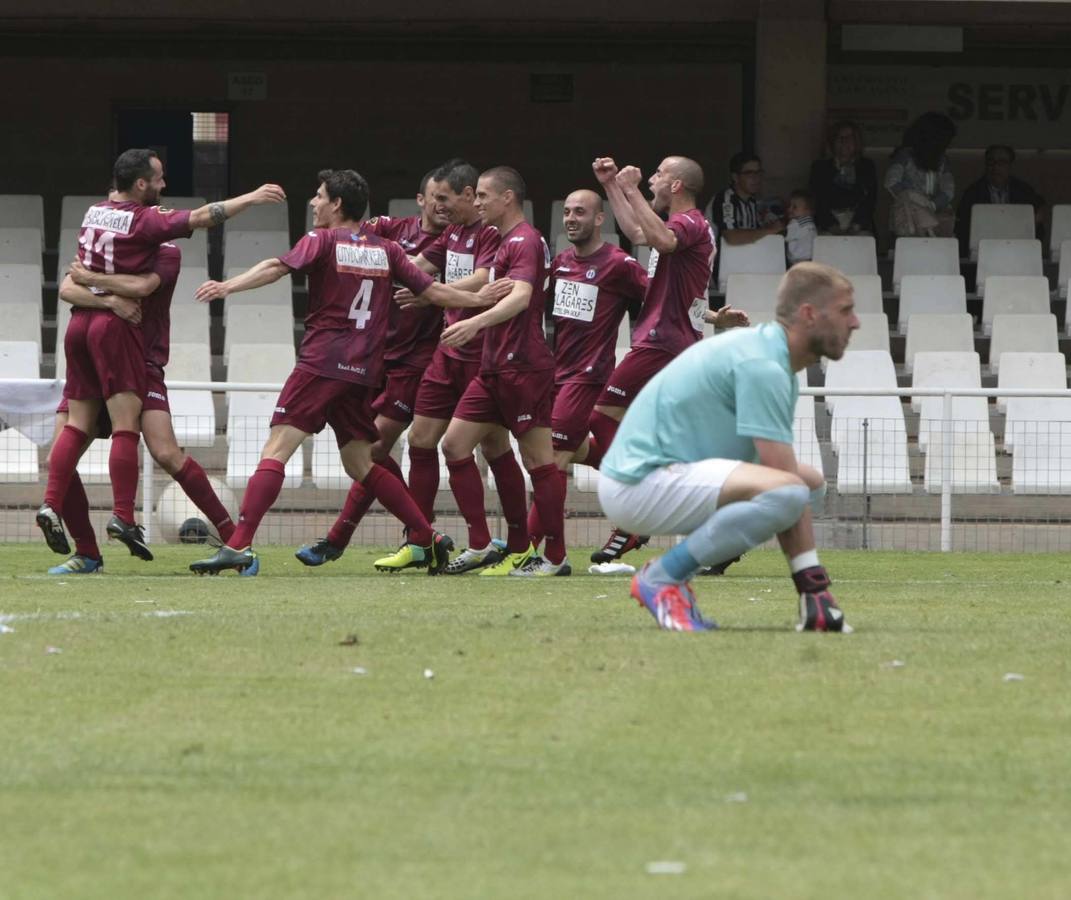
[(801, 231)]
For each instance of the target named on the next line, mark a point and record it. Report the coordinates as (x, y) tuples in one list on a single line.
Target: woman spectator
[(845, 184), (920, 181)]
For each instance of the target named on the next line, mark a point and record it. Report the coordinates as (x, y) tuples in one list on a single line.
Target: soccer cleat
[(227, 558), (131, 535), (618, 544), (51, 526), (318, 553), (509, 562), (78, 565), (434, 558), (537, 567), (818, 609), (440, 553), (469, 559), (719, 568), (672, 605), (253, 569)]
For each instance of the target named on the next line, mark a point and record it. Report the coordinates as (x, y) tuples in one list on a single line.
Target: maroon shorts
[(104, 421), (105, 357), (398, 399), (442, 384), (309, 401), (155, 392), (637, 368), (573, 403), (519, 400)]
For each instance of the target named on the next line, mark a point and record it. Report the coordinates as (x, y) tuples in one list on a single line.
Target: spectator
[(737, 212), (920, 181), (801, 232), (998, 185), (845, 184)]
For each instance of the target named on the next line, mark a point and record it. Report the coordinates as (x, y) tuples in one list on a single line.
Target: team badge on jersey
[(470, 242), (589, 274)]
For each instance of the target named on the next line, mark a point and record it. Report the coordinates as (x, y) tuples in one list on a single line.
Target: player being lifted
[(340, 362), (105, 353), (705, 451), (676, 305)]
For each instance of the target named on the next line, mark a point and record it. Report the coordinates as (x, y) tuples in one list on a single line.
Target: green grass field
[(209, 738)]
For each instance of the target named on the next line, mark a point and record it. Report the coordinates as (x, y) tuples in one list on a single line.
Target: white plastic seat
[(278, 293), (22, 322), (246, 248), (1060, 232), (859, 369), (924, 256), (1014, 295), (18, 458), (938, 331), (561, 242), (973, 457), (866, 290), (20, 283), (23, 211), (1007, 257), (190, 320), (266, 217), (1001, 221), (765, 256), (19, 359), (20, 245), (945, 369), (1064, 272), (1037, 431), (1031, 334), (73, 209), (257, 325), (752, 293), (624, 333), (931, 294), (804, 436), (1047, 371), (870, 439), (402, 207), (856, 255), (642, 255), (63, 319), (68, 250), (872, 334), (193, 413)]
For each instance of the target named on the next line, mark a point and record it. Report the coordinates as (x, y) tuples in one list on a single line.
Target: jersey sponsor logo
[(559, 435), (616, 390), (695, 313), (164, 210), (517, 240), (358, 259), (156, 395), (524, 417), (459, 265), (281, 409), (575, 300), (119, 220), (357, 370), (564, 269), (652, 264)]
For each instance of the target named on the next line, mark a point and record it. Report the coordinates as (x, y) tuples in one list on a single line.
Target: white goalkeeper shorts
[(675, 499)]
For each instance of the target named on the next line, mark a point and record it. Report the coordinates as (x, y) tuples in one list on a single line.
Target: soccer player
[(673, 312), (594, 283), (512, 390), (144, 300), (706, 451), (105, 355), (340, 363)]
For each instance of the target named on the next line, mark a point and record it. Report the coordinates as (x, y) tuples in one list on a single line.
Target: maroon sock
[(509, 479), (392, 493), (467, 486), (549, 490), (358, 502), (193, 480), (76, 517), (424, 479), (603, 428), (65, 454), (391, 466), (260, 494), (535, 526), (123, 471), (594, 457)]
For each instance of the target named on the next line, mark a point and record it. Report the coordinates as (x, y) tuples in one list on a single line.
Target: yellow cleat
[(509, 562)]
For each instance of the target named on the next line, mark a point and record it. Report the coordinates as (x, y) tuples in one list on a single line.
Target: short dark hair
[(428, 176), (803, 194), (458, 173), (741, 159), (347, 186), (994, 148), (131, 165), (508, 179)]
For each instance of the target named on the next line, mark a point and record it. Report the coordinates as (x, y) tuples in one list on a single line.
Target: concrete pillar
[(790, 90)]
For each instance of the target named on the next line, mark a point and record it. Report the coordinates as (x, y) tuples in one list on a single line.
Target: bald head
[(582, 218), (688, 171), (587, 199)]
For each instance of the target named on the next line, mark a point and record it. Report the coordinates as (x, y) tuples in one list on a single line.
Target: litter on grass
[(738, 797), (6, 629), (51, 651), (611, 568), (666, 867), (359, 670), (894, 664), (429, 674), (1012, 676), (167, 613)]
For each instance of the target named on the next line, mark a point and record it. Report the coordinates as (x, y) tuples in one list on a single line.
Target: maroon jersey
[(351, 275), (518, 344), (671, 318), (156, 308), (458, 252), (414, 331), (122, 237), (591, 294)]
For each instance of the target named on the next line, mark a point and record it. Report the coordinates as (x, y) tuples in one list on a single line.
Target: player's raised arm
[(654, 231), (606, 173), (264, 272), (218, 212)]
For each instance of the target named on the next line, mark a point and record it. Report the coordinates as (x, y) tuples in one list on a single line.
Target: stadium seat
[(556, 227), (1064, 270), (764, 256), (624, 332), (752, 293), (869, 437), (1037, 431), (278, 293), (1000, 221), (402, 207), (804, 436), (1014, 295), (852, 255), (73, 209), (68, 250), (872, 334), (193, 413), (23, 211), (20, 359), (937, 331), (561, 242), (973, 457), (190, 320), (1045, 371), (859, 369), (266, 217), (933, 294), (1032, 334), (20, 283), (63, 318), (257, 325), (924, 256), (945, 369), (249, 413), (867, 294), (1060, 232), (18, 458), (247, 248), (22, 322), (642, 254), (1007, 257), (20, 245)]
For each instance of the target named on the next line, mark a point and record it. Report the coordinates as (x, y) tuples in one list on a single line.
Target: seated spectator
[(920, 181), (801, 231), (845, 184), (998, 185), (737, 212)]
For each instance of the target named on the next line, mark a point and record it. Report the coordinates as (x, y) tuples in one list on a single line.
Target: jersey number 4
[(361, 308)]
